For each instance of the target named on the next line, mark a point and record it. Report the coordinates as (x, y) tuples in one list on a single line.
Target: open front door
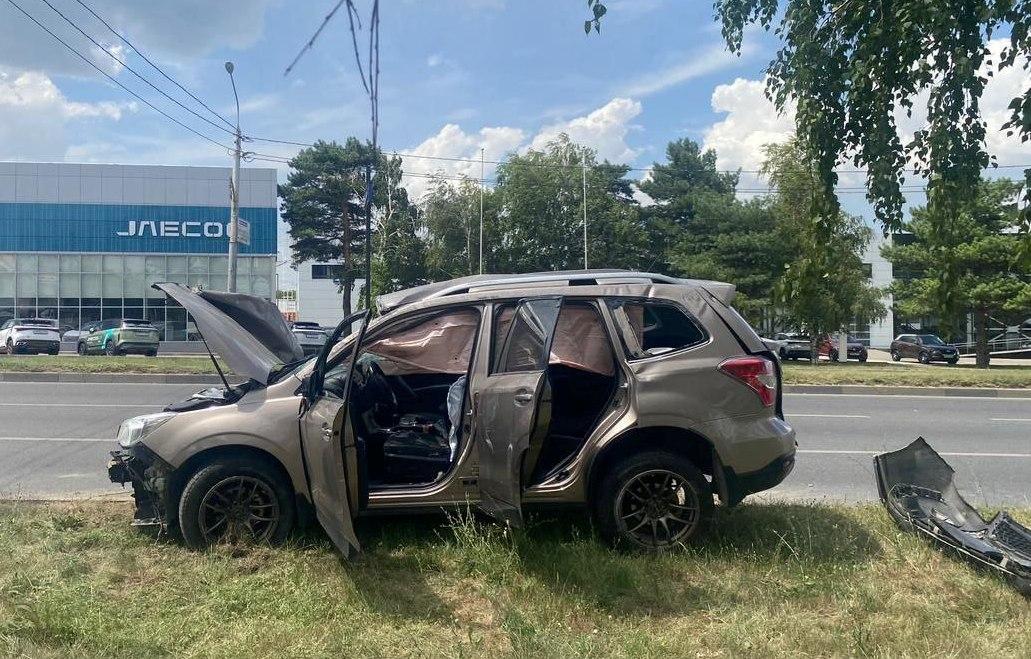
[(513, 408), (323, 417)]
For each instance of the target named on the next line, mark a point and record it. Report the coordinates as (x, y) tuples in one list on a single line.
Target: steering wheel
[(382, 384)]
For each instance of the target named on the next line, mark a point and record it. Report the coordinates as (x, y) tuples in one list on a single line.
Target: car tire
[(218, 478), (895, 356), (953, 362), (616, 496), (833, 355), (80, 348), (924, 358), (152, 353), (10, 350), (111, 350)]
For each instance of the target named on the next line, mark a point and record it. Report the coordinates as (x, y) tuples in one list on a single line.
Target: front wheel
[(953, 362), (653, 501), (10, 347), (236, 500), (833, 354), (895, 356), (924, 358), (81, 349), (863, 357), (111, 350)]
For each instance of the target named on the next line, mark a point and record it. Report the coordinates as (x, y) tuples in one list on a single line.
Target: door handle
[(523, 397), (327, 431)]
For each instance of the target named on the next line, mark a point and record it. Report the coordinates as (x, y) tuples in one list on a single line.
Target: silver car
[(642, 398)]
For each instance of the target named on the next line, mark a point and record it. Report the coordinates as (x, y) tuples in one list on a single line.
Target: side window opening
[(652, 328), (408, 396)]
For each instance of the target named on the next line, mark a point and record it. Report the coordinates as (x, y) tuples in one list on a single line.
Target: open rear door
[(513, 408), (322, 424)]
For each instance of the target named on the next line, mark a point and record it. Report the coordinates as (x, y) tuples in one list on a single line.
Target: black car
[(925, 348)]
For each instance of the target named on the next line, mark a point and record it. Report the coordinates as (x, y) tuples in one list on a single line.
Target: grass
[(773, 580), (104, 364), (910, 375)]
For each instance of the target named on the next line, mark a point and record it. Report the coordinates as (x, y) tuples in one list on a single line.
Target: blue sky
[(457, 76)]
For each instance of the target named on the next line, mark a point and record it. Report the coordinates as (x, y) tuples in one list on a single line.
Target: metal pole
[(234, 191), (585, 205), (481, 210)]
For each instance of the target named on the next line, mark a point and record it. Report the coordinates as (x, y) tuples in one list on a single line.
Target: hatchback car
[(640, 397), (793, 345), (30, 335), (309, 335), (827, 346), (120, 336), (925, 348)]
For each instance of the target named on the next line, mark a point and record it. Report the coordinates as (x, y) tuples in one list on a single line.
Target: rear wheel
[(924, 358), (152, 353), (81, 349), (111, 350), (833, 354), (863, 357), (653, 501), (10, 347), (953, 362), (895, 356), (237, 501)]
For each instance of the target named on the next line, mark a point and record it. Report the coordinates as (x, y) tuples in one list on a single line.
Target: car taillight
[(757, 373)]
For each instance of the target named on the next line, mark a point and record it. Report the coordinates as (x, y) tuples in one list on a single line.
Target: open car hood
[(916, 487), (247, 331)]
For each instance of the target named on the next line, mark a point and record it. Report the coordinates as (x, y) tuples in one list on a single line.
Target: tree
[(965, 263), (848, 66), (824, 287), (703, 230), (323, 204), (399, 259), (539, 223), (451, 211)]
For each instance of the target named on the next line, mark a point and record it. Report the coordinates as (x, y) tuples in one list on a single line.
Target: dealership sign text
[(173, 229)]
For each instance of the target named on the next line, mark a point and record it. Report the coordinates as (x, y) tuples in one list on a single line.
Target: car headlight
[(134, 429)]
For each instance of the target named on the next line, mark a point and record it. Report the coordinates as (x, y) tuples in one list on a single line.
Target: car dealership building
[(84, 242)]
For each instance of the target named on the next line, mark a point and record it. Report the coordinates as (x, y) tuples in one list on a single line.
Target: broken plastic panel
[(916, 486)]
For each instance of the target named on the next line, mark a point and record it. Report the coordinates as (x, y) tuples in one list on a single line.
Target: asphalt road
[(54, 439)]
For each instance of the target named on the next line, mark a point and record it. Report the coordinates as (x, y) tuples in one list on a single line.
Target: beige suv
[(642, 397)]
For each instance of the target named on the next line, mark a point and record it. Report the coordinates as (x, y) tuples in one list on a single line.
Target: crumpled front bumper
[(916, 487), (150, 477)]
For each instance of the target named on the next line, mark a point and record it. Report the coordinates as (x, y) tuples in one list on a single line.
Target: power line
[(133, 71), (112, 79), (152, 64)]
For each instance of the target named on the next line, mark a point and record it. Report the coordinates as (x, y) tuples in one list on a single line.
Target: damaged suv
[(641, 397)]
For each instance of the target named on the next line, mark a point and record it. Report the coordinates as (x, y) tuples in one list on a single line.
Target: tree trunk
[(814, 356), (346, 280), (982, 339)]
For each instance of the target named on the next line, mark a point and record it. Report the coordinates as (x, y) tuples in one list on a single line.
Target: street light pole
[(234, 191)]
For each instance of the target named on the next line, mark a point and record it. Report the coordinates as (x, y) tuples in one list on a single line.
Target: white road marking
[(107, 440), (980, 399), (151, 405), (1011, 419), (944, 454), (834, 416)]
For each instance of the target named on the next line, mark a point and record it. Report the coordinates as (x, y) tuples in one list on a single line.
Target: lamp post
[(234, 190)]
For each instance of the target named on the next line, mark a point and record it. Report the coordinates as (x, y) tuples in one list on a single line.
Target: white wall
[(881, 331), (319, 300)]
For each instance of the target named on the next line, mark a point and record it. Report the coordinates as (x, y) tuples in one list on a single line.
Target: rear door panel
[(513, 408)]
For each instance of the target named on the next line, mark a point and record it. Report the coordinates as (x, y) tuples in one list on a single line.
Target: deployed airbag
[(916, 487)]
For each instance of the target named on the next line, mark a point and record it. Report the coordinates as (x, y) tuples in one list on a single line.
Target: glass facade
[(78, 288)]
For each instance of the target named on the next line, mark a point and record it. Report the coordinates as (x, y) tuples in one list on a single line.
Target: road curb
[(876, 390), (109, 378)]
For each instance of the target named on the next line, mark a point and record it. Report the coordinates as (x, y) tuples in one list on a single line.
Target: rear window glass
[(654, 328), (137, 323), (44, 322)]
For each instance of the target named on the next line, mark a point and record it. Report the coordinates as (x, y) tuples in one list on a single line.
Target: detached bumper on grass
[(916, 486)]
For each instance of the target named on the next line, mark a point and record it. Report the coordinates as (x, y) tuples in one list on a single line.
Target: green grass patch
[(908, 375), (105, 364), (774, 579)]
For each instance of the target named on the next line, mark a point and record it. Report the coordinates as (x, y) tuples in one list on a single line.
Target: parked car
[(793, 345), (120, 336), (311, 336), (925, 348), (73, 335), (640, 397), (828, 346), (25, 335)]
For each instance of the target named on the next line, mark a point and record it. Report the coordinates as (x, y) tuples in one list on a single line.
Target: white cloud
[(604, 130), (434, 60), (698, 64), (751, 122), (1003, 87), (34, 114)]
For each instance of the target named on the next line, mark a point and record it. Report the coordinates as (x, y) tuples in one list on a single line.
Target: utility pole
[(585, 205), (481, 210), (234, 191)]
